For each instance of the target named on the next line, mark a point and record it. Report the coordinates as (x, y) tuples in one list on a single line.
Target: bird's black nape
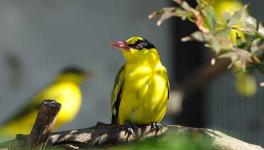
[(73, 70), (140, 44)]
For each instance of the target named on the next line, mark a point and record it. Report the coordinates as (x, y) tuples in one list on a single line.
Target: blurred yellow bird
[(141, 87), (65, 90)]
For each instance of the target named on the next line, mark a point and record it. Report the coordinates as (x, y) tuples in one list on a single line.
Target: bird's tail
[(114, 119), (4, 134)]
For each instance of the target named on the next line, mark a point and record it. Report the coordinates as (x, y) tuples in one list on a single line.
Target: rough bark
[(110, 135), (44, 124), (107, 134), (40, 132)]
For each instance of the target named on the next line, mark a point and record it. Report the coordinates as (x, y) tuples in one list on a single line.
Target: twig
[(44, 123), (40, 132), (196, 14), (197, 80), (202, 76)]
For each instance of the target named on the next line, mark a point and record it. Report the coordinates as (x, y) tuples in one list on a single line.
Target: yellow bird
[(65, 90), (141, 87)]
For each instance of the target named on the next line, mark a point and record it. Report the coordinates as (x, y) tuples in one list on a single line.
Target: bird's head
[(72, 74), (137, 49)]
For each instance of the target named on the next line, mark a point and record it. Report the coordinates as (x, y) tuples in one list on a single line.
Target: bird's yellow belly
[(144, 100)]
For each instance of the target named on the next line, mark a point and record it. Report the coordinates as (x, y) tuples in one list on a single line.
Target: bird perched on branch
[(141, 87), (65, 90)]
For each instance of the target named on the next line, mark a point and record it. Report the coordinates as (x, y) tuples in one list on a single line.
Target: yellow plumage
[(65, 90), (141, 88)]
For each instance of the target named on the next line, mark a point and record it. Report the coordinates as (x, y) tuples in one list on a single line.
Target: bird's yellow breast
[(69, 96), (145, 94)]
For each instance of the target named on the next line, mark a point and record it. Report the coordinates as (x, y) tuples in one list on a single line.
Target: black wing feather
[(117, 94)]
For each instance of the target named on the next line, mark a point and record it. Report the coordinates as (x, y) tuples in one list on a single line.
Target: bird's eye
[(140, 46)]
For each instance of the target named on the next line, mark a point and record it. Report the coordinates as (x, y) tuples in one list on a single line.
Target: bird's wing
[(24, 111), (116, 93), (32, 105), (168, 86)]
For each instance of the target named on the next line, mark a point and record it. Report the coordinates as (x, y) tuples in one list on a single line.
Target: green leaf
[(209, 17), (237, 18), (170, 142), (223, 32)]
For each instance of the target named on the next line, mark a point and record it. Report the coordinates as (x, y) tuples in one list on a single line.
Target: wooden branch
[(44, 123), (101, 134), (109, 135), (203, 75), (40, 132), (194, 82)]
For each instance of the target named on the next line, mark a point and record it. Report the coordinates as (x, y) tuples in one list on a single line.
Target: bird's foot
[(129, 129), (156, 126)]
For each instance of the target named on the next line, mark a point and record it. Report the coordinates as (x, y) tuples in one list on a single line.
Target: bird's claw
[(129, 129), (156, 126)]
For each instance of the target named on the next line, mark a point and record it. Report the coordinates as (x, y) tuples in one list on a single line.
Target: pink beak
[(121, 45)]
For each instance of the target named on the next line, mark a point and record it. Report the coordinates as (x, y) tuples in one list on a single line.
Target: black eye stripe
[(140, 44)]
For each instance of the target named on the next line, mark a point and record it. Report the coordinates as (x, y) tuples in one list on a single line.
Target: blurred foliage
[(168, 142), (229, 31)]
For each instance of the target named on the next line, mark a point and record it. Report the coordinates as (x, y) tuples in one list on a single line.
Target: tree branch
[(40, 132), (203, 75), (44, 124), (107, 134), (197, 80), (111, 135)]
